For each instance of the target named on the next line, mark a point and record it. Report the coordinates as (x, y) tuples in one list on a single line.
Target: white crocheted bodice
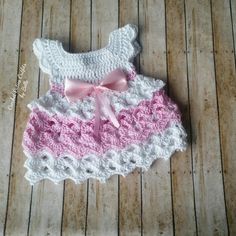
[(89, 66)]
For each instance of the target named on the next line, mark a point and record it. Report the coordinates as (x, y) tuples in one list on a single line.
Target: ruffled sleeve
[(41, 48), (123, 43)]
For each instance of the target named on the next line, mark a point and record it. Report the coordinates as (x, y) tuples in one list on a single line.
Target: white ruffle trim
[(141, 88), (121, 162)]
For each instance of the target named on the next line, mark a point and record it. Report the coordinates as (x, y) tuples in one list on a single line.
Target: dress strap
[(123, 43), (43, 50)]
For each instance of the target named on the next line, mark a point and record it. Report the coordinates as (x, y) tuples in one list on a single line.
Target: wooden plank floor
[(190, 45)]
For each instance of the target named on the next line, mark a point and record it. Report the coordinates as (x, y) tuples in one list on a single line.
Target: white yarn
[(141, 88), (91, 66)]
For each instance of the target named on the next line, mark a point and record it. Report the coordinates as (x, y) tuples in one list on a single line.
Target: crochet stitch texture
[(58, 140)]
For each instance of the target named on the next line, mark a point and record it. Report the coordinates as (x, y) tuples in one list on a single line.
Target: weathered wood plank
[(20, 190), (156, 183), (103, 198), (209, 195), (181, 163), (47, 198), (103, 209), (9, 45), (226, 90), (130, 186), (233, 23), (75, 196)]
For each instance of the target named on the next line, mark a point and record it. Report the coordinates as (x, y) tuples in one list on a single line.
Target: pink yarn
[(61, 135), (58, 88)]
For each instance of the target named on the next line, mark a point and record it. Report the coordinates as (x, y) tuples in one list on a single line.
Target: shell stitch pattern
[(140, 88), (58, 133), (122, 162)]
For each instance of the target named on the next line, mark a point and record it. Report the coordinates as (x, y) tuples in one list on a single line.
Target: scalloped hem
[(102, 167)]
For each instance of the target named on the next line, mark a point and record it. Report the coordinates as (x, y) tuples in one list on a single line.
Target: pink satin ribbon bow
[(76, 89)]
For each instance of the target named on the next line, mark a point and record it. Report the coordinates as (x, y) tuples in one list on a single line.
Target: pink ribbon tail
[(97, 118), (103, 106), (76, 89)]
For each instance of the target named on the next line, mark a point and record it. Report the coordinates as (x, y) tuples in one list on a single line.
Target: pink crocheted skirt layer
[(60, 147)]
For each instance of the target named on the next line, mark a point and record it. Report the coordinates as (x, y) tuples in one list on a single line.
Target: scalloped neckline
[(82, 54), (92, 65), (87, 54)]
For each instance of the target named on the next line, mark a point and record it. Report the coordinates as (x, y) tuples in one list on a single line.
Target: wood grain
[(188, 44), (233, 21), (20, 191), (9, 50), (75, 196), (156, 184), (181, 162), (47, 198), (209, 192), (103, 198), (130, 187), (226, 90)]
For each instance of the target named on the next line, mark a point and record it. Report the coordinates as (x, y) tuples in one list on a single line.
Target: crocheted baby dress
[(100, 117)]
